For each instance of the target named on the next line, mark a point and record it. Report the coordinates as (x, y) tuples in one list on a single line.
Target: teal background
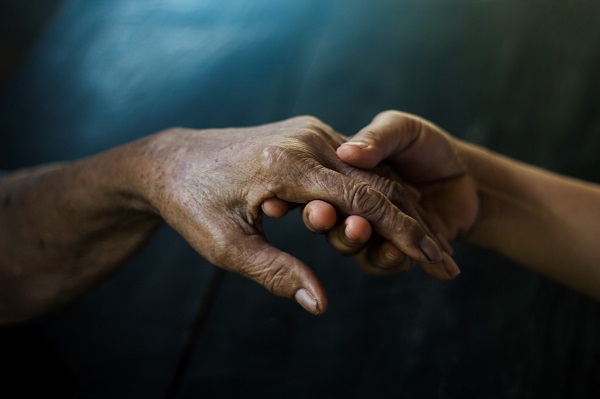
[(520, 77)]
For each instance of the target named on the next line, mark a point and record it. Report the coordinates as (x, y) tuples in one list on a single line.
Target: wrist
[(479, 165), (129, 178), (510, 198)]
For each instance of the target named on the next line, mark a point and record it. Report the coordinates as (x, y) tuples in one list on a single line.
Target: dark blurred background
[(518, 76)]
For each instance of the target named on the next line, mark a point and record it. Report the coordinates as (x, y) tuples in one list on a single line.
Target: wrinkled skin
[(209, 186), (422, 156), (212, 187)]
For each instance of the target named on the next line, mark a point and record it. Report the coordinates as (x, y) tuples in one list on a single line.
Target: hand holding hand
[(209, 186), (429, 161)]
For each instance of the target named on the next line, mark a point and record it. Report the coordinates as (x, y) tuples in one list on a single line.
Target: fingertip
[(275, 207), (451, 267), (308, 292), (358, 153), (445, 270), (309, 302), (319, 216), (436, 270), (357, 229)]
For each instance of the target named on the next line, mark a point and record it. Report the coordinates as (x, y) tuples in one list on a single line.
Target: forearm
[(62, 228), (547, 222)]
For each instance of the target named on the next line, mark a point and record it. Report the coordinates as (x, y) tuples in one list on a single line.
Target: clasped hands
[(393, 196)]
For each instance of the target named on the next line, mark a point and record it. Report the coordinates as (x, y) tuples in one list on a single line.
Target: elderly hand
[(425, 157), (209, 186)]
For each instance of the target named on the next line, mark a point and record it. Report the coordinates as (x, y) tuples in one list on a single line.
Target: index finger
[(353, 197)]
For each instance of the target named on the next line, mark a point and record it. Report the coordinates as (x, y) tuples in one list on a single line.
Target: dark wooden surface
[(518, 76)]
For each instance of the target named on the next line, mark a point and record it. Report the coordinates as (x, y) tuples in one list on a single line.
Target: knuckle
[(410, 121), (387, 187), (387, 184), (309, 120), (312, 129), (389, 116), (302, 150), (397, 194), (282, 161), (388, 113), (307, 123), (272, 154), (367, 201)]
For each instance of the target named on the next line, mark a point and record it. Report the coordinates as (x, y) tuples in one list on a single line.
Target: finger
[(403, 196), (405, 200), (389, 133), (319, 216), (416, 147), (277, 271), (275, 207), (350, 236), (240, 248), (448, 271), (431, 221), (381, 258), (354, 197)]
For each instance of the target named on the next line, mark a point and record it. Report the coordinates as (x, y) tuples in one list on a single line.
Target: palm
[(451, 205), (449, 195)]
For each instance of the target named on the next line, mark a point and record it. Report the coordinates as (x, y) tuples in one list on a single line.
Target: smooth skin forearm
[(545, 221)]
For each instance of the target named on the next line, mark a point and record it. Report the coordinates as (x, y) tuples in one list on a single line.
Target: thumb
[(279, 272), (386, 136)]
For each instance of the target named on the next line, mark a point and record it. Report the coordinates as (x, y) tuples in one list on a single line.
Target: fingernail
[(430, 249), (305, 300), (451, 267), (357, 143)]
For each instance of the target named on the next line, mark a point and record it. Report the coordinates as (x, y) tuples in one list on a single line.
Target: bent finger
[(243, 250), (319, 216), (275, 207), (381, 258), (390, 133), (353, 197), (351, 236)]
